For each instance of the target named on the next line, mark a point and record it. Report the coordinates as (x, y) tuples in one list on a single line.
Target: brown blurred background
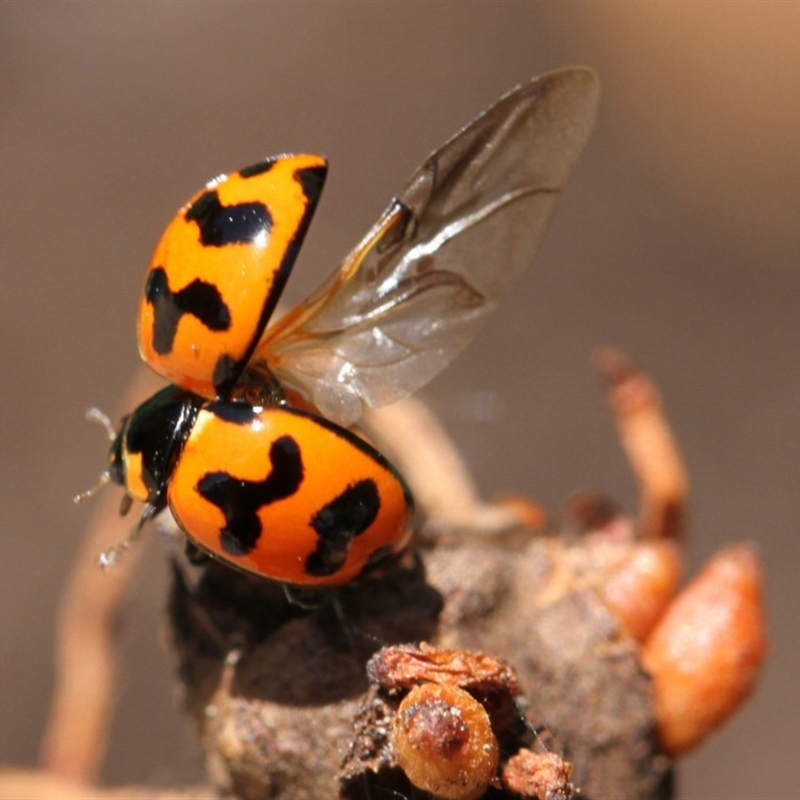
[(678, 240)]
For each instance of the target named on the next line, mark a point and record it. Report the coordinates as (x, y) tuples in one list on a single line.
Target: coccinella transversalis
[(250, 445)]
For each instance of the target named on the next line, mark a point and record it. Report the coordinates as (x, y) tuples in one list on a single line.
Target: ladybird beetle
[(249, 446)]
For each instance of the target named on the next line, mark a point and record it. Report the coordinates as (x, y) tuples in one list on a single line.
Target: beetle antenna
[(94, 414), (104, 478)]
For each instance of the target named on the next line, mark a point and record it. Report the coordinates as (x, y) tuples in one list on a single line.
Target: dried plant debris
[(275, 704), (408, 665), (454, 720), (545, 776), (706, 652), (443, 741)]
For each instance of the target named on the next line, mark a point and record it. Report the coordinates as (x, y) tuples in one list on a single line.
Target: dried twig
[(80, 716), (650, 445)]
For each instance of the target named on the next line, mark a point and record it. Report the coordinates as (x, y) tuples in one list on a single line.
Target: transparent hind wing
[(419, 286)]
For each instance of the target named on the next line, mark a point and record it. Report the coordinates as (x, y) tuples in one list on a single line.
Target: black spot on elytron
[(258, 169), (339, 522), (239, 500), (222, 225), (199, 299)]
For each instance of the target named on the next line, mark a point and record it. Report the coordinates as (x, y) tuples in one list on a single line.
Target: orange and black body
[(219, 270), (283, 493), (268, 488), (251, 447), (276, 491)]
